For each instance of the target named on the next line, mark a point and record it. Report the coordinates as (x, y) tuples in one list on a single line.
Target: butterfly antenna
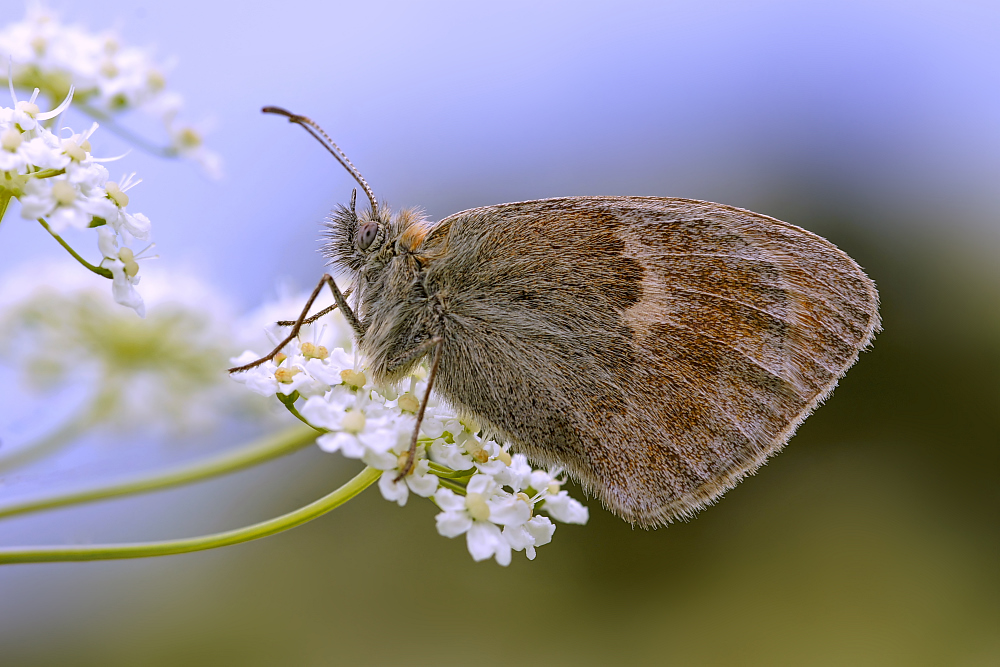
[(317, 132)]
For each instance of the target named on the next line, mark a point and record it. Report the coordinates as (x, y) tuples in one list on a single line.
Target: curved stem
[(101, 271), (147, 549), (109, 122), (62, 436), (266, 449)]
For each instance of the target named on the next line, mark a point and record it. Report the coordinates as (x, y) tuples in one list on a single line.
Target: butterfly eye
[(367, 234)]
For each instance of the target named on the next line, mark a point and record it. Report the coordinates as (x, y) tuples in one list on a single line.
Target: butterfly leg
[(437, 343), (303, 320)]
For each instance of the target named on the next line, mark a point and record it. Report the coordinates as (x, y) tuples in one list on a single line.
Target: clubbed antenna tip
[(317, 132)]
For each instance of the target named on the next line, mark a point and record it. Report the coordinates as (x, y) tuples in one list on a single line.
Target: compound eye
[(367, 234)]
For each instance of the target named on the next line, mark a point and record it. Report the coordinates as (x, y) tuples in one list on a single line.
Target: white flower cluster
[(484, 492), (60, 183), (109, 78), (62, 337)]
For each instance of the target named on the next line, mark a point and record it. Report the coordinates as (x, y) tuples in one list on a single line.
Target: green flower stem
[(101, 271), (454, 486), (265, 449), (72, 429), (147, 549), (109, 123), (289, 403), (4, 201), (47, 173)]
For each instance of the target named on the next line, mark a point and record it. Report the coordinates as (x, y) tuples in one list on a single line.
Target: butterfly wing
[(658, 349)]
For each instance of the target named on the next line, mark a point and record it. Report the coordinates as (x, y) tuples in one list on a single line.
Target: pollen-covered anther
[(409, 403), (74, 150), (353, 378), (553, 487), (115, 193), (278, 358), (475, 503), (285, 375), (504, 456), (313, 351), (128, 259), (11, 139), (481, 456), (353, 422)]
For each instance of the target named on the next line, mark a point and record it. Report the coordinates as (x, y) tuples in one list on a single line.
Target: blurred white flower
[(59, 327), (109, 76)]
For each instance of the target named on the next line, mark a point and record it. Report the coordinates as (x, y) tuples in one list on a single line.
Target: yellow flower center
[(475, 503), (63, 193), (189, 138), (11, 139), (353, 422)]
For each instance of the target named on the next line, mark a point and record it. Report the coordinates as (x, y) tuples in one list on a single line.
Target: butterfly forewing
[(658, 349)]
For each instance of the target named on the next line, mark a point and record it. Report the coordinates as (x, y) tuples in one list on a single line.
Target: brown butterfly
[(658, 349)]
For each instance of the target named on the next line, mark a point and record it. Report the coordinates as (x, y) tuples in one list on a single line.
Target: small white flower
[(562, 507), (124, 267), (369, 434), (137, 225), (110, 76), (259, 379), (419, 480), (535, 532), (469, 515), (479, 514), (451, 455)]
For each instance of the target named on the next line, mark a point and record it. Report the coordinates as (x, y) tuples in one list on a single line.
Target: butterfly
[(657, 349)]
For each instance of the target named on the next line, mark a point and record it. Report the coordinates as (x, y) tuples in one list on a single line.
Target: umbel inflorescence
[(496, 499)]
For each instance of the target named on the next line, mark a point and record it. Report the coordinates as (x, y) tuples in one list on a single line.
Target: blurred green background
[(872, 540)]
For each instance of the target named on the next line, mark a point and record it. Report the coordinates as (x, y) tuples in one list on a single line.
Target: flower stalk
[(267, 448), (359, 483), (99, 270)]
